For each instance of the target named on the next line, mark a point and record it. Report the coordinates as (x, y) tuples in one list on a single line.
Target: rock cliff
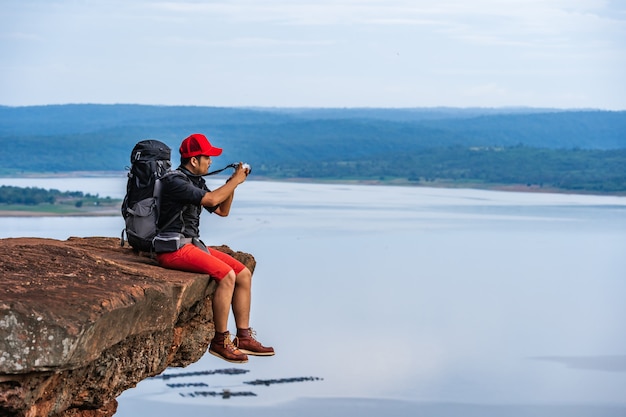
[(83, 320)]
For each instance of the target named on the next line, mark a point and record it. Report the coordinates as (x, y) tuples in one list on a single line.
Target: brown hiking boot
[(247, 343), (222, 347)]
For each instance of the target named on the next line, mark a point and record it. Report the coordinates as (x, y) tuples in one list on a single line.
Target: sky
[(315, 53)]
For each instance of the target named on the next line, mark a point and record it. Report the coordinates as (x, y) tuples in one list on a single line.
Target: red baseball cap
[(196, 145)]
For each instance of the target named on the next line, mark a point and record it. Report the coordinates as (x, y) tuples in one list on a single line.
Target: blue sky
[(317, 53)]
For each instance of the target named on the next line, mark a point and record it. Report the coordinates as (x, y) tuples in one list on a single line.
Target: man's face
[(202, 165)]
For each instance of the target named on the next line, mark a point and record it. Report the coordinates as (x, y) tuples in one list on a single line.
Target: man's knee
[(228, 279), (245, 273)]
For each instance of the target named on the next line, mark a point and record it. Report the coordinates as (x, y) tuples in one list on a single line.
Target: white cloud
[(338, 52)]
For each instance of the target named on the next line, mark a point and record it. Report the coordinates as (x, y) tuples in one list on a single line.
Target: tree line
[(31, 196), (602, 171)]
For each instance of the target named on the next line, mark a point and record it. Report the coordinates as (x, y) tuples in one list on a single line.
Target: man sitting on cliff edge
[(182, 199)]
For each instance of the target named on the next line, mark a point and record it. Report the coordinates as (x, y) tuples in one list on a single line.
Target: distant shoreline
[(27, 213), (115, 211), (68, 174), (391, 182), (446, 184)]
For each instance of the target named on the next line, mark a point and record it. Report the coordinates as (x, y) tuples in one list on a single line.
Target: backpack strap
[(170, 221)]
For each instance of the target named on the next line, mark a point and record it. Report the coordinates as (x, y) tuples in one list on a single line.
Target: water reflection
[(413, 294), (224, 393)]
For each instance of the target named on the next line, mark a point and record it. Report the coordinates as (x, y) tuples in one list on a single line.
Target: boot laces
[(228, 344), (251, 335)]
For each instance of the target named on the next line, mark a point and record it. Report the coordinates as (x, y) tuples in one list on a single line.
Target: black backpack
[(150, 161)]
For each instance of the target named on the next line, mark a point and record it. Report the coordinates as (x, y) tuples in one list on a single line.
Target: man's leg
[(221, 301), (233, 289), (221, 345), (190, 258), (246, 337), (242, 298)]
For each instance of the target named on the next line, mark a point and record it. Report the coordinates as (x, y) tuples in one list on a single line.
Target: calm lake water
[(405, 301)]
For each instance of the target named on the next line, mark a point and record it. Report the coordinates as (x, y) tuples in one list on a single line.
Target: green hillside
[(572, 150)]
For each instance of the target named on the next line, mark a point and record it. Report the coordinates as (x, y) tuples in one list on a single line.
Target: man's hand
[(240, 174)]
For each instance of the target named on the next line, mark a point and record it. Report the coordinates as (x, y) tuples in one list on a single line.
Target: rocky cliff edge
[(84, 319)]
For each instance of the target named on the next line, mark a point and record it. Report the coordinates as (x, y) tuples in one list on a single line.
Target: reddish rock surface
[(83, 320)]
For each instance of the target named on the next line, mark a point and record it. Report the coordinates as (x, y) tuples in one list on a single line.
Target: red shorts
[(190, 258)]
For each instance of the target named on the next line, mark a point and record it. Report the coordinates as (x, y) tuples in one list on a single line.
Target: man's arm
[(223, 196), (224, 208)]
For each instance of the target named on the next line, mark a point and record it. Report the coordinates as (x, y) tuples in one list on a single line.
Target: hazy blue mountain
[(281, 141)]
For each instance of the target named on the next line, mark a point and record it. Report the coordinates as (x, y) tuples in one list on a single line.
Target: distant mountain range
[(331, 143)]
